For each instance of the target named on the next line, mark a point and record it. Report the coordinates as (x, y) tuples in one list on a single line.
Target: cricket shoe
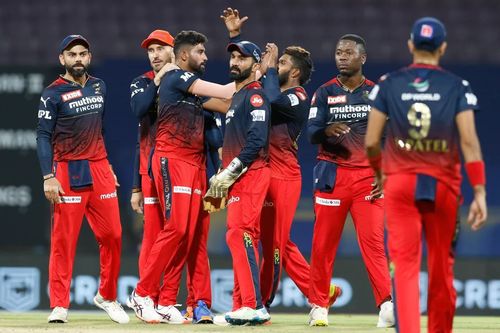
[(220, 320), (318, 316), (58, 315), (188, 315), (144, 308), (242, 316), (170, 314), (112, 308), (386, 315), (335, 291), (263, 317), (202, 314)]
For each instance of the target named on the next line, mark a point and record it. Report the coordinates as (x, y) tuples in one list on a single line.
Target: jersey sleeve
[(318, 117), (467, 100), (136, 184), (179, 80), (288, 102), (258, 131), (142, 96), (47, 117), (378, 95)]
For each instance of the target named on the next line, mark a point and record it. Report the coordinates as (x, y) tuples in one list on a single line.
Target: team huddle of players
[(259, 181)]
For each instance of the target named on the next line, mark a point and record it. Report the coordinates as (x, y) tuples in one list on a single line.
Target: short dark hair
[(357, 39), (301, 59), (188, 37)]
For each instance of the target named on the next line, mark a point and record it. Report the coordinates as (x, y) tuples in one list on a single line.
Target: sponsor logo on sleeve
[(44, 101), (44, 114), (136, 91), (258, 115), (256, 100), (186, 76), (471, 98), (312, 112), (71, 95), (337, 99), (293, 99), (373, 94)]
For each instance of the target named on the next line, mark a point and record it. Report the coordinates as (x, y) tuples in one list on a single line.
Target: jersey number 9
[(419, 117)]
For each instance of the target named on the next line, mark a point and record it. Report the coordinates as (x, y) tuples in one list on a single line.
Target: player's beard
[(239, 76), (76, 72), (283, 77), (198, 68)]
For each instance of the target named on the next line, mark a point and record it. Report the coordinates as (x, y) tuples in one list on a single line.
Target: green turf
[(99, 322)]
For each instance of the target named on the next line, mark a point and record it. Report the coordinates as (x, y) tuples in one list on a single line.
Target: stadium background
[(31, 32)]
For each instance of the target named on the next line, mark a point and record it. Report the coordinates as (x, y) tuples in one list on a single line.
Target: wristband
[(136, 190), (49, 177), (375, 161), (475, 173)]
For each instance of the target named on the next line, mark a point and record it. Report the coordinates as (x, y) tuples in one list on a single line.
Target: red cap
[(161, 36)]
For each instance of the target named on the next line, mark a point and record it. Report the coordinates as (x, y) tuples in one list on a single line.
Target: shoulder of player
[(254, 94), (146, 77), (297, 96)]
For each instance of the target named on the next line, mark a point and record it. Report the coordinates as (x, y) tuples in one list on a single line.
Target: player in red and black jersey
[(178, 169), (431, 116), (343, 182), (78, 179), (244, 180), (144, 105)]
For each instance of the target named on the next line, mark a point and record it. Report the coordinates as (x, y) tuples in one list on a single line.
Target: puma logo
[(44, 101)]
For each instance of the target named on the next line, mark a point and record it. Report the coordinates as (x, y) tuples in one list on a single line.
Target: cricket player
[(289, 105), (159, 45), (245, 180), (178, 166), (429, 113), (77, 179), (344, 182)]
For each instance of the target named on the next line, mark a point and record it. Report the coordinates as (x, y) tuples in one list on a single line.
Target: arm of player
[(373, 139), (47, 117), (209, 89), (217, 105), (137, 198), (213, 138), (474, 165), (142, 96), (318, 130)]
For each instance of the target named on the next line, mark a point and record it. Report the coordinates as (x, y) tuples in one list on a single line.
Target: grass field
[(98, 322)]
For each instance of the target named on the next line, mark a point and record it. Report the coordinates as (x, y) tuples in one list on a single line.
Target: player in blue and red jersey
[(431, 116), (144, 199), (343, 182), (178, 167), (78, 180), (289, 107), (245, 180)]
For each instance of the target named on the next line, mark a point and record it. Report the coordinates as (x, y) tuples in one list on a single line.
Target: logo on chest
[(71, 95), (341, 99)]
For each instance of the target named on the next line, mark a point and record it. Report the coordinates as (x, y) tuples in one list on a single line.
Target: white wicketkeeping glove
[(212, 204), (220, 183)]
